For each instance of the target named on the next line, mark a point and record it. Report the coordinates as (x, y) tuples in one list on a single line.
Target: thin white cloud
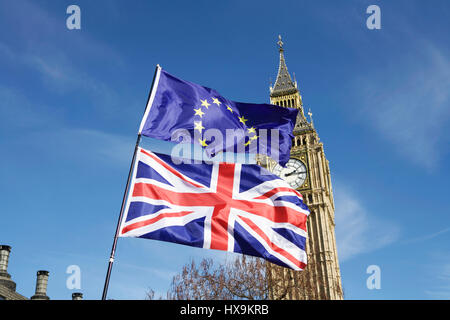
[(444, 293), (164, 274), (408, 102), (60, 75), (429, 236), (42, 31), (358, 230), (89, 145), (62, 59), (17, 112), (439, 274), (47, 132)]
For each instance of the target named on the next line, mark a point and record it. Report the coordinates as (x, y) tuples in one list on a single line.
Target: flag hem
[(152, 97)]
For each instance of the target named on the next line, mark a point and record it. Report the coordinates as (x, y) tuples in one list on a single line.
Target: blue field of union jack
[(222, 206)]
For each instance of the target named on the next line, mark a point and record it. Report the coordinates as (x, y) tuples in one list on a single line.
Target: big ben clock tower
[(308, 171)]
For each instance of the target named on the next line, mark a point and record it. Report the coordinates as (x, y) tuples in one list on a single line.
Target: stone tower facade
[(308, 171)]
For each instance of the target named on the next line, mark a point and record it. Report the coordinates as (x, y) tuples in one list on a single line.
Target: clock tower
[(308, 171)]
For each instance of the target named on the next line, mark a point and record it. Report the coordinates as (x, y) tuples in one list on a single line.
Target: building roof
[(8, 294)]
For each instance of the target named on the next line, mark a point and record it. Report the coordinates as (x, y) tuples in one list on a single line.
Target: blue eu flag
[(214, 122)]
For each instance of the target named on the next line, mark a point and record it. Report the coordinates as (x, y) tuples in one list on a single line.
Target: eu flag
[(215, 122)]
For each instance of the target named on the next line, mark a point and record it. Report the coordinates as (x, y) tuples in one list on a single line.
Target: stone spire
[(286, 94), (284, 84)]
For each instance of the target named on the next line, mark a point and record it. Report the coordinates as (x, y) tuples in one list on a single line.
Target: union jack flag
[(222, 206)]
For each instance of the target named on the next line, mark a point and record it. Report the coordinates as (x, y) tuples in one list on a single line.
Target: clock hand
[(290, 174)]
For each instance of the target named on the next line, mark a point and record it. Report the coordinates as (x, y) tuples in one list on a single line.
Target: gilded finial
[(310, 117), (280, 43)]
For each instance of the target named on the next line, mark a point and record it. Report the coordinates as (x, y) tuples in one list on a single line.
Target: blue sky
[(71, 102)]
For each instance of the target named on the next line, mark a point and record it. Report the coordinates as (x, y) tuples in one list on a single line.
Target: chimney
[(77, 296), (5, 278), (41, 286)]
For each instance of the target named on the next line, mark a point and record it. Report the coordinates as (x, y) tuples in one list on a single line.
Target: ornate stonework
[(323, 274)]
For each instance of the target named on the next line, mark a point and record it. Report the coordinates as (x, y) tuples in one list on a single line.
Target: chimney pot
[(5, 247), (5, 278), (41, 286), (77, 296), (4, 257)]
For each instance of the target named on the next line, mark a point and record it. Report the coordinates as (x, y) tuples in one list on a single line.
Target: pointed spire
[(283, 84), (310, 114)]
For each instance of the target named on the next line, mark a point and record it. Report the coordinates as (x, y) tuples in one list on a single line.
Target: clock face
[(294, 173)]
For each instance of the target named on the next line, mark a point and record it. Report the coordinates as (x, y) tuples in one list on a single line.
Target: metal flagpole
[(113, 250), (116, 236)]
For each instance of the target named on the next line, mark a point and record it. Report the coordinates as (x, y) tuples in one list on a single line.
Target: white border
[(152, 97)]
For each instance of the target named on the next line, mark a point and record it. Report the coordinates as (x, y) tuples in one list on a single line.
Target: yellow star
[(251, 130), (247, 143), (203, 142), (242, 119), (254, 137), (199, 112), (198, 126), (229, 108), (216, 101), (205, 103)]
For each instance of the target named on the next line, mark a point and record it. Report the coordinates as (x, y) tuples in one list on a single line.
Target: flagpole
[(116, 236)]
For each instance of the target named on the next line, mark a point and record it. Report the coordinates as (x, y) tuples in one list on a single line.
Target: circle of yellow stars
[(200, 113)]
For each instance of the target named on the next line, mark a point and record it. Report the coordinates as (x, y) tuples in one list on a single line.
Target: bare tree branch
[(247, 278)]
